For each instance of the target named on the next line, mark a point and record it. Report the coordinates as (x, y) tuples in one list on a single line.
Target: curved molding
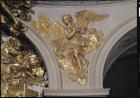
[(53, 70), (110, 41), (125, 43), (117, 55)]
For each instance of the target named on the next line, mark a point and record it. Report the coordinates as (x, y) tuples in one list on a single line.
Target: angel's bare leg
[(77, 57)]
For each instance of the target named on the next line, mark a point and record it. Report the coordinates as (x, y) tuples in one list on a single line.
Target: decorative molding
[(91, 93), (80, 2), (125, 43), (53, 70), (106, 48)]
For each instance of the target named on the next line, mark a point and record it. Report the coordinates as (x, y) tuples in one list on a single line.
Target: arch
[(110, 40), (124, 44), (123, 72), (53, 70)]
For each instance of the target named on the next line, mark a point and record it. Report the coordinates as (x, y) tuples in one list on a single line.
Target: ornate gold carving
[(19, 68), (72, 41), (10, 11), (42, 25)]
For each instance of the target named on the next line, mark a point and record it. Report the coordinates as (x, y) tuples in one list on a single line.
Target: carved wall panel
[(65, 35)]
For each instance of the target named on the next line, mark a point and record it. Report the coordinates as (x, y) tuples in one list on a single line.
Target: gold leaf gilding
[(17, 70), (73, 41)]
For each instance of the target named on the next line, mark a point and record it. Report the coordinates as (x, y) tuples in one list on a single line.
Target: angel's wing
[(41, 25), (58, 31), (90, 16)]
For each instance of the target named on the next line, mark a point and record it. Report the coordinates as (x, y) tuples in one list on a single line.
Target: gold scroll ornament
[(72, 40)]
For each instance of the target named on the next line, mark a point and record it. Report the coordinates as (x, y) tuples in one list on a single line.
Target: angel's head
[(67, 19)]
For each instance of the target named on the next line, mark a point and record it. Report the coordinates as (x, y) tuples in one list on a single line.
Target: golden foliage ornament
[(19, 69)]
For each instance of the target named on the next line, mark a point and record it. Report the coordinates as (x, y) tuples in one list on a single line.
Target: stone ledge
[(102, 92)]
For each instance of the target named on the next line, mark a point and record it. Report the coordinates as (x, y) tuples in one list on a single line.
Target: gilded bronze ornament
[(10, 11), (19, 69), (72, 40)]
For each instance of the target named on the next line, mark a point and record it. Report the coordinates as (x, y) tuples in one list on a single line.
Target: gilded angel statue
[(73, 41)]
